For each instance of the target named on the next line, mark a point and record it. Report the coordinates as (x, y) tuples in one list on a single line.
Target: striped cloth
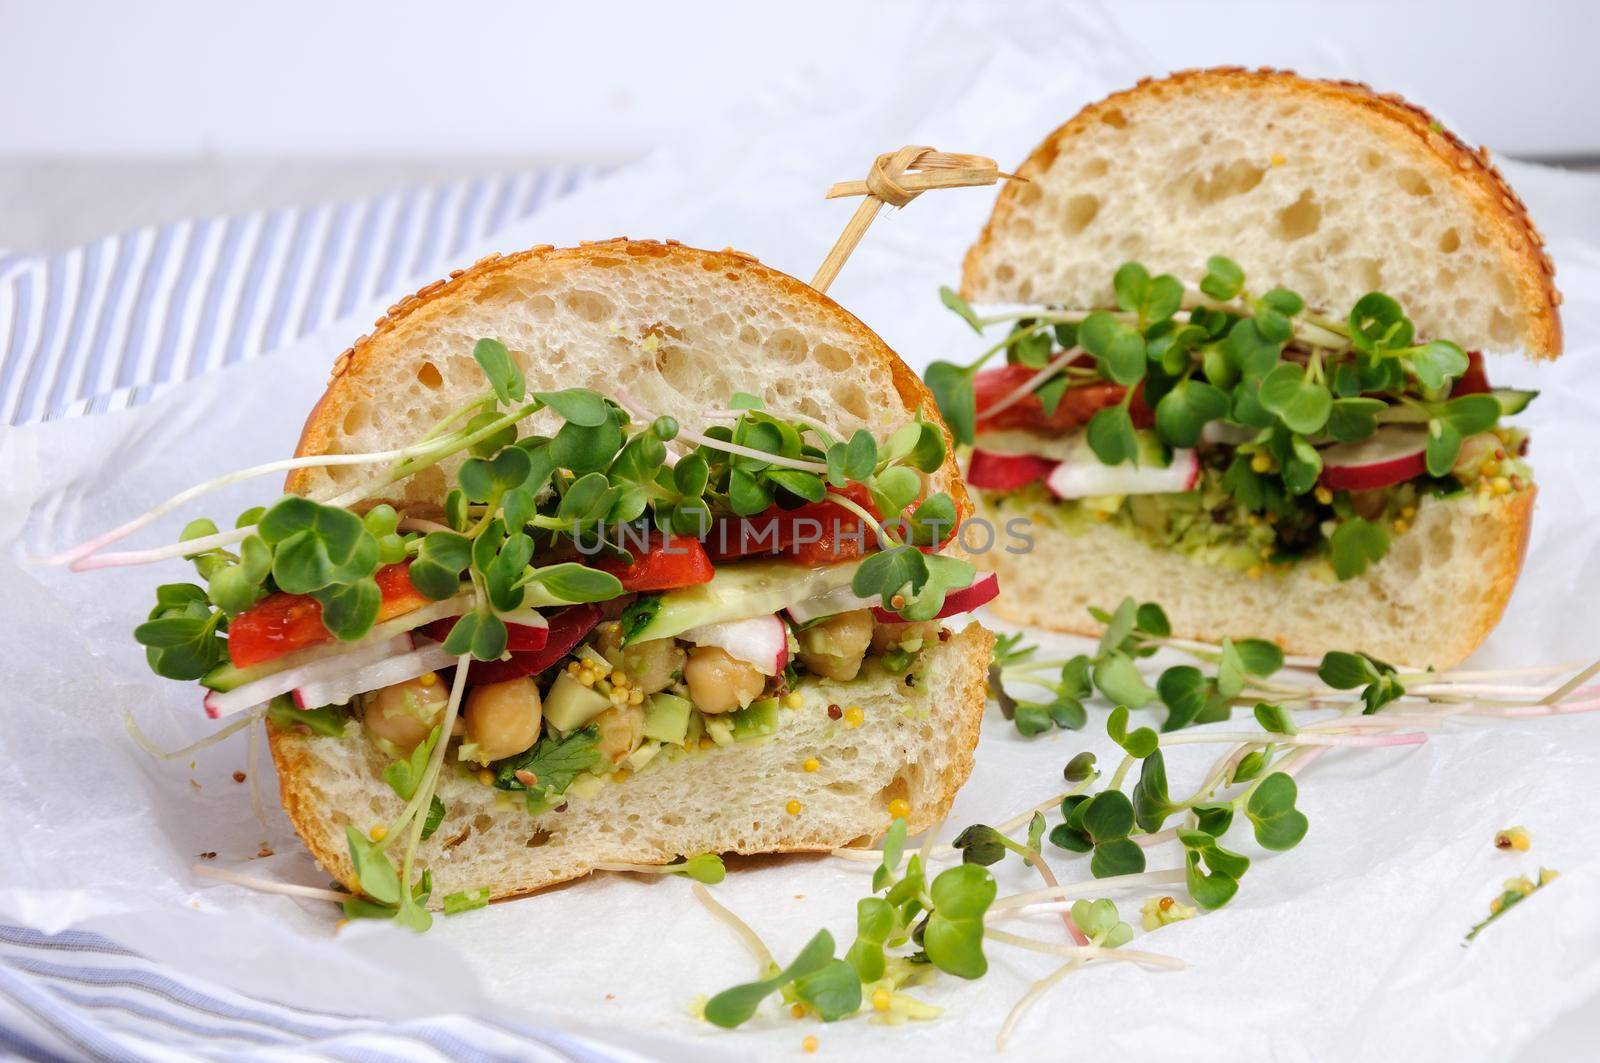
[(77, 995), (107, 325)]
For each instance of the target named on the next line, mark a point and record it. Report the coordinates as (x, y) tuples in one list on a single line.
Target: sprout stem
[(268, 886), (144, 743), (747, 934), (1057, 364), (1087, 952), (628, 403), (1073, 890)]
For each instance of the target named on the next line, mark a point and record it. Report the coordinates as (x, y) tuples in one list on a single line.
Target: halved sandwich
[(613, 555), (1243, 323)]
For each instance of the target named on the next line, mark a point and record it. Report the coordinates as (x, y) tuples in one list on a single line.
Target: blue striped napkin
[(107, 325), (80, 995)]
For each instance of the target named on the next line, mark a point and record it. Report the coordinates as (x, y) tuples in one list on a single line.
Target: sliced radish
[(762, 641), (1393, 455), (982, 591), (839, 600), (385, 673), (263, 690), (1088, 476), (992, 471)]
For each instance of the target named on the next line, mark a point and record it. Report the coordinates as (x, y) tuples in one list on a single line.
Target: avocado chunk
[(666, 718), (570, 704), (736, 592), (761, 718)]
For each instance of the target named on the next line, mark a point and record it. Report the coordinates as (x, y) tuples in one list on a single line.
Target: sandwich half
[(654, 572), (1245, 373)]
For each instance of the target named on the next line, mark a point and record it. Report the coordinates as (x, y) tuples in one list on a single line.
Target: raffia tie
[(896, 178)]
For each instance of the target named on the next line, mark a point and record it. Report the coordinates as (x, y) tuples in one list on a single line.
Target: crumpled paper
[(1349, 946)]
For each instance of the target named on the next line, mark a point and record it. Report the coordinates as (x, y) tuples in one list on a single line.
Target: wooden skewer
[(896, 178)]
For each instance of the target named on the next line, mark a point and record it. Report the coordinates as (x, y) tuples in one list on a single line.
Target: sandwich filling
[(582, 605), (1235, 426)]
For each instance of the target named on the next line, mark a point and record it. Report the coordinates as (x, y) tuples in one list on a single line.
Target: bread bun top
[(680, 328), (1324, 187)]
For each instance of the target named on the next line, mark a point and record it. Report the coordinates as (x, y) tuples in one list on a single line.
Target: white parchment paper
[(1348, 946)]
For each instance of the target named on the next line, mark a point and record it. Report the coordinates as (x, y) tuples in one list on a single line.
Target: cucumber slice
[(1513, 400)]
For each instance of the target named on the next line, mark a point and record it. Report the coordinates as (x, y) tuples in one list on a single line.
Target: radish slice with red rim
[(250, 695), (1392, 455), (1089, 476), (761, 641), (983, 590), (386, 673)]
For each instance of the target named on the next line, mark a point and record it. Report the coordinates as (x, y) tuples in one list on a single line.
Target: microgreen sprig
[(1279, 381)]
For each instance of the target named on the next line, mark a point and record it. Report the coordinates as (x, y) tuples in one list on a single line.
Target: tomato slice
[(567, 629), (672, 562), (1006, 472), (1475, 381), (282, 623), (1077, 404), (518, 636), (816, 533)]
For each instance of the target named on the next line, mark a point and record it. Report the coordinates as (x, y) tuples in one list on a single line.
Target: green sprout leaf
[(952, 299), (734, 1006), (1223, 280), (1278, 824), (953, 936), (504, 376), (952, 390), (1354, 545), (1140, 743), (1119, 679)]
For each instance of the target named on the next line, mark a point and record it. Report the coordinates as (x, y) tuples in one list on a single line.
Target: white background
[(328, 96), (118, 114)]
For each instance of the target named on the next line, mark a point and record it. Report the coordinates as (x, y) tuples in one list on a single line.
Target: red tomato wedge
[(518, 636), (1475, 381), (816, 533), (567, 629), (282, 623), (671, 562), (1006, 472), (1076, 407)]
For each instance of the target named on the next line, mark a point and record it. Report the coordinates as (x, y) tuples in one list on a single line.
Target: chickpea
[(621, 730), (886, 637), (718, 683), (406, 713), (651, 665), (834, 648), (503, 718)]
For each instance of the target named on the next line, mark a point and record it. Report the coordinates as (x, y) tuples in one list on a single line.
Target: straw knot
[(896, 178)]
